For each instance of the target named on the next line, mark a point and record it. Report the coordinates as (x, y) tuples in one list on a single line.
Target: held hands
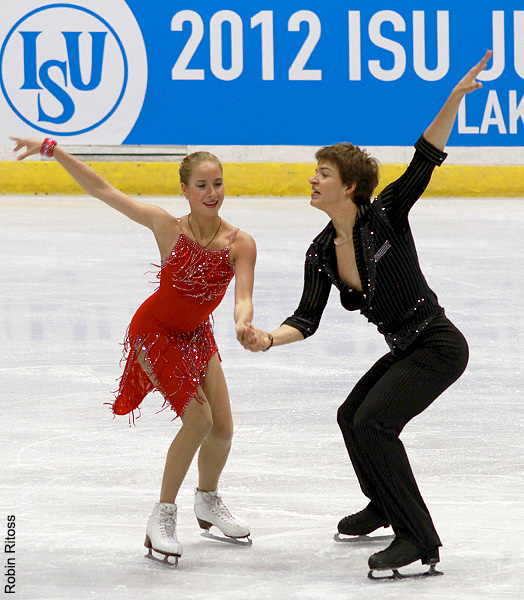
[(31, 145), (252, 338)]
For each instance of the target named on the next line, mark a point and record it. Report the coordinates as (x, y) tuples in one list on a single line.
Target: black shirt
[(395, 295)]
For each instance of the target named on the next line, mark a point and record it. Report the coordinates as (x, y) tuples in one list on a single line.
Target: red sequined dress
[(171, 331)]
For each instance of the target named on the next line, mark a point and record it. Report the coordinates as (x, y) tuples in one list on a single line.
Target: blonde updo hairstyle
[(189, 163)]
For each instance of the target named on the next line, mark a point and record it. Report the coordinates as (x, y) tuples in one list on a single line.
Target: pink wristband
[(48, 147)]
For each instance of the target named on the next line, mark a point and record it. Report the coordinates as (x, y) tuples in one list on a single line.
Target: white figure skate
[(210, 510), (161, 534)]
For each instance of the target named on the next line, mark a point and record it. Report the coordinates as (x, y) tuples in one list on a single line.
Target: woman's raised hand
[(31, 145)]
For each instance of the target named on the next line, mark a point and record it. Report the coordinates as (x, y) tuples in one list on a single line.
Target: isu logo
[(64, 69)]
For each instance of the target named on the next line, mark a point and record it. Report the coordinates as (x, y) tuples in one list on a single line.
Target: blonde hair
[(191, 161)]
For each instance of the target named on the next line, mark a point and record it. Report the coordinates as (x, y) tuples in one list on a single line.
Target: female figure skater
[(367, 252), (170, 345)]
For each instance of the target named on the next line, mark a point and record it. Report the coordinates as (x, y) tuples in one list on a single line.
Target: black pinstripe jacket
[(395, 295)]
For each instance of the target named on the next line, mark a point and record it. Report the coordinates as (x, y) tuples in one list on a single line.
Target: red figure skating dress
[(171, 331)]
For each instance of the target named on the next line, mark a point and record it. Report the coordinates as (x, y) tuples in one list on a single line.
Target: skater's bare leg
[(209, 508), (217, 443), (196, 423)]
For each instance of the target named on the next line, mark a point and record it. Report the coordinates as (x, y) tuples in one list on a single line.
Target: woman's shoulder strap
[(233, 236)]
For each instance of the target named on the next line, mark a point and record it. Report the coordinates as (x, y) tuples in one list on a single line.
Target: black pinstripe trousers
[(397, 388)]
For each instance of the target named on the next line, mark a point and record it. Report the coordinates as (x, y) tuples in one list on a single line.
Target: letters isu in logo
[(63, 69)]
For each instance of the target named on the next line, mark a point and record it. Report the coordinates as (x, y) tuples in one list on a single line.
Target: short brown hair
[(355, 166), (191, 161)]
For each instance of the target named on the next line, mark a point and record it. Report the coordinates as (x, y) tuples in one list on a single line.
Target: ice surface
[(82, 484)]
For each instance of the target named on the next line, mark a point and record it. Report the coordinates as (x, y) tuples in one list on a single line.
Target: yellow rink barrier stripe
[(250, 179)]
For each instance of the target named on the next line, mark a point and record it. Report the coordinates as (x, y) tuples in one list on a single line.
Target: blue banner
[(209, 72)]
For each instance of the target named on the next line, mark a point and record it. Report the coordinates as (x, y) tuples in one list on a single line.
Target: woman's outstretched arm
[(95, 185)]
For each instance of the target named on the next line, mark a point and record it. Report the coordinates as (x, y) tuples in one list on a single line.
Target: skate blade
[(163, 561), (397, 575), (245, 541), (355, 539)]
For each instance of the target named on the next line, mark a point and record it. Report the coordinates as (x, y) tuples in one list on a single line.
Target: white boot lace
[(218, 508), (167, 523)]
